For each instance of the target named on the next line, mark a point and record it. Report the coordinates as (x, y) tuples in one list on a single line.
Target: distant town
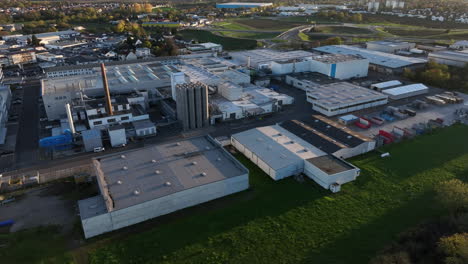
[(233, 132)]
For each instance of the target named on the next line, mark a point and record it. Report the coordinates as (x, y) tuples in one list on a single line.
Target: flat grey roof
[(163, 169), (342, 94), (330, 164), (375, 57), (92, 207), (450, 55)]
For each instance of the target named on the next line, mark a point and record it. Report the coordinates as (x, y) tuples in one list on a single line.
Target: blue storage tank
[(57, 141)]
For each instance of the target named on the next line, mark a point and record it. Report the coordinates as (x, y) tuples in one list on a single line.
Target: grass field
[(268, 24), (227, 42), (292, 222), (345, 30), (248, 35)]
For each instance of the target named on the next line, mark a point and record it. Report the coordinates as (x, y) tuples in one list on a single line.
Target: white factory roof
[(260, 56), (450, 55), (197, 74), (389, 43), (374, 57), (129, 75), (335, 58), (276, 146), (384, 85), (254, 4), (342, 94), (48, 34), (405, 89)]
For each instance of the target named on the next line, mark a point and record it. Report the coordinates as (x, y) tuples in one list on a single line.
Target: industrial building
[(390, 46), (307, 80), (406, 91), (142, 77), (5, 100), (262, 58), (451, 58), (142, 184), (45, 38), (341, 98), (235, 5), (205, 47), (385, 85), (378, 61), (312, 147), (337, 66), (192, 105)]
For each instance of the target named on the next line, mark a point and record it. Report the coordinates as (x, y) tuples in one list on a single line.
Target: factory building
[(337, 66), (142, 184), (236, 5), (263, 58), (451, 58), (378, 61), (312, 147), (5, 100), (142, 77), (385, 85), (307, 80), (205, 47), (406, 91), (460, 45), (341, 98), (45, 38), (390, 46), (192, 105)]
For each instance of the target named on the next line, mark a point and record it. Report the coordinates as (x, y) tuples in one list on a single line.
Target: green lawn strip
[(37, 245), (290, 222)]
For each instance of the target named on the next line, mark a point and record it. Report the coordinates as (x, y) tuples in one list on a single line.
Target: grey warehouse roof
[(136, 176), (374, 57), (450, 55)]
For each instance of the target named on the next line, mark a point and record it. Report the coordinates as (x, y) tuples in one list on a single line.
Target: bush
[(454, 248)]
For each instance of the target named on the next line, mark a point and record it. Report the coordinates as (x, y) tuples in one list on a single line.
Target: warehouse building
[(5, 100), (307, 80), (451, 58), (385, 85), (341, 98), (406, 91), (390, 46), (378, 61), (142, 184), (262, 58), (235, 5), (311, 147), (337, 66)]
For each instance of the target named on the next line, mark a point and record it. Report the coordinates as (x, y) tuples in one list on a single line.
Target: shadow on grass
[(363, 243)]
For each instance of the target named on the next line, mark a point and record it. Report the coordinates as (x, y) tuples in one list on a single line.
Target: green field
[(292, 222), (248, 35), (227, 42), (344, 30)]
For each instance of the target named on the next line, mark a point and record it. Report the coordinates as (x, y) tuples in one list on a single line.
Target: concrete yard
[(40, 206), (445, 112)]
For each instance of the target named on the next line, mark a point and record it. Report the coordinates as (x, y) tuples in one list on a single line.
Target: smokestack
[(106, 90), (248, 62), (70, 118)]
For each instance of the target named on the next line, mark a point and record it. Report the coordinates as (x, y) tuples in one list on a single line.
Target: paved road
[(27, 139)]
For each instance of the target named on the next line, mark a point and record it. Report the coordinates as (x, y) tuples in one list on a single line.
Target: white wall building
[(390, 46), (282, 151), (141, 184), (341, 98), (5, 100)]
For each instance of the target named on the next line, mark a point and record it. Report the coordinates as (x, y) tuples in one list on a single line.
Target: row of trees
[(444, 240), (440, 75), (340, 16)]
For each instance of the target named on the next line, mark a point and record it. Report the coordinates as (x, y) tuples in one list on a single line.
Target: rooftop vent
[(178, 144), (157, 171), (207, 148), (328, 126), (119, 182), (203, 174), (349, 137), (122, 156), (125, 168), (194, 163), (316, 120), (218, 159), (153, 161), (168, 183), (136, 192)]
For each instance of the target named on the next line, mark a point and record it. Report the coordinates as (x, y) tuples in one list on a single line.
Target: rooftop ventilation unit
[(122, 156), (168, 183), (125, 168), (153, 161), (136, 192), (119, 182), (203, 174), (157, 172), (194, 163)]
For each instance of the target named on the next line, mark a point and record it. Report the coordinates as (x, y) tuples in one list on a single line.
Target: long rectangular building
[(141, 184), (379, 61), (314, 147), (235, 5), (452, 58), (343, 97)]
